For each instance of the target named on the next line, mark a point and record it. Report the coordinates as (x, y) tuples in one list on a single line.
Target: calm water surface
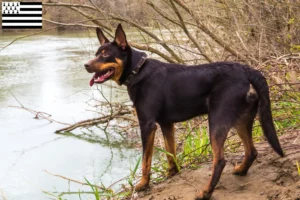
[(45, 73)]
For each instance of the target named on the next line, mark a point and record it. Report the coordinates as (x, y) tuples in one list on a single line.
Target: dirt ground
[(270, 177)]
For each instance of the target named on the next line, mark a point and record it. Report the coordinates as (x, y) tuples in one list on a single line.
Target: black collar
[(136, 69)]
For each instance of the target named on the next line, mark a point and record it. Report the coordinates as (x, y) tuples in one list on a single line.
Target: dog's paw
[(203, 195), (142, 185), (172, 172), (239, 170)]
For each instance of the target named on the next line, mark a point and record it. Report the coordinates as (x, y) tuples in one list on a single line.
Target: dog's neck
[(134, 59)]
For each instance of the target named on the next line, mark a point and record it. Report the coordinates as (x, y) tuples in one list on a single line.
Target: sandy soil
[(270, 177)]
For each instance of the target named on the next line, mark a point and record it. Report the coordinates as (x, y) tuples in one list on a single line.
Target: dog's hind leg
[(244, 130), (226, 103), (147, 133), (169, 138), (218, 134)]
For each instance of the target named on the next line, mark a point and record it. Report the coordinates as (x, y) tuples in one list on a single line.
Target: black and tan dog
[(230, 93)]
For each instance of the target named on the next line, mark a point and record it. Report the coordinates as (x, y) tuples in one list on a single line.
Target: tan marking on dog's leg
[(134, 111), (250, 152), (218, 166), (146, 163), (169, 138)]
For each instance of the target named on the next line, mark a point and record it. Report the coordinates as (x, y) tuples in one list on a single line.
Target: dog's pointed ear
[(102, 39), (120, 37)]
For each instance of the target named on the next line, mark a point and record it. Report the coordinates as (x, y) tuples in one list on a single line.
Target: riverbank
[(270, 177)]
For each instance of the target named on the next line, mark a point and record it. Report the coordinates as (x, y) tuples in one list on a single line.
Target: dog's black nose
[(86, 65)]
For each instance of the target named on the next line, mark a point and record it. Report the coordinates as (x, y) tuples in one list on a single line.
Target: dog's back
[(182, 92)]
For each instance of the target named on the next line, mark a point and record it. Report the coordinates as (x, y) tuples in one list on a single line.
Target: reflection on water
[(46, 73)]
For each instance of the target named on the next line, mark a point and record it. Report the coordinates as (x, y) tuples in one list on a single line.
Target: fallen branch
[(74, 181), (39, 114), (94, 121)]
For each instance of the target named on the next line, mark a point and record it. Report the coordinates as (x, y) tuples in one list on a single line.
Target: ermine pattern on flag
[(16, 15)]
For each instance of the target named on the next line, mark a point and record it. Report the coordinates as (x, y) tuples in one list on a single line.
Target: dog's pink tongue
[(92, 82)]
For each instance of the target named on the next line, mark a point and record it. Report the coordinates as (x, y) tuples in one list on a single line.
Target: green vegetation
[(133, 172), (169, 154), (100, 191)]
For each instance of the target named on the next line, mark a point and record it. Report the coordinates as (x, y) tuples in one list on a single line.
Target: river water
[(46, 73)]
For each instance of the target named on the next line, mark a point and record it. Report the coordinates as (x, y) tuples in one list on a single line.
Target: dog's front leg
[(147, 133)]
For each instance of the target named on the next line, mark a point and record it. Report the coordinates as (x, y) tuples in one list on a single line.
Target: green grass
[(169, 154), (99, 192), (95, 190), (132, 176), (286, 114), (195, 145)]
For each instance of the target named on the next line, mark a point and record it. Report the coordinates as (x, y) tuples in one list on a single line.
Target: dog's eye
[(104, 54)]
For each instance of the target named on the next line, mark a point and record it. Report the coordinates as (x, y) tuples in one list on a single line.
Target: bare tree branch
[(70, 5), (101, 11), (78, 23), (162, 13), (189, 34), (29, 35), (152, 50), (205, 29), (70, 24), (127, 20), (92, 19), (40, 114)]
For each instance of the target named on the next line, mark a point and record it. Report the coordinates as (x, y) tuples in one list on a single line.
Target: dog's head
[(110, 58)]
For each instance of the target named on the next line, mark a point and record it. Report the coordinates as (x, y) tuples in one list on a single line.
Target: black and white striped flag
[(16, 15)]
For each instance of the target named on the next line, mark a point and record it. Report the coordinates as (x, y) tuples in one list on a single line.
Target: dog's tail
[(264, 109)]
